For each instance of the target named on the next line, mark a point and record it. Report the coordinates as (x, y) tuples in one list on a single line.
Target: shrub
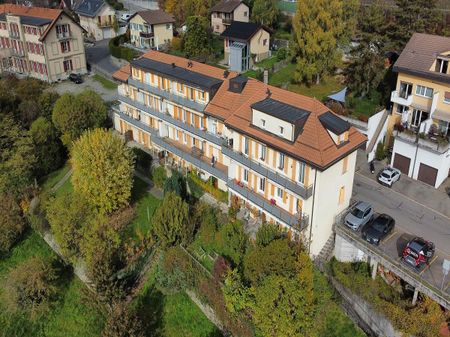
[(206, 221), (380, 152), (122, 322), (159, 176), (266, 234), (281, 54), (176, 44), (119, 51), (12, 223), (209, 186), (232, 241), (177, 184)]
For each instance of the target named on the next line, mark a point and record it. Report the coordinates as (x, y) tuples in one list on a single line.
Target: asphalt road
[(410, 216), (98, 55)]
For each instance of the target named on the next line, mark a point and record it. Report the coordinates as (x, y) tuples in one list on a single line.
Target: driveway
[(98, 57), (418, 209), (89, 83)]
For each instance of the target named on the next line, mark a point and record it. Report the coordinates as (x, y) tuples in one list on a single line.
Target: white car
[(125, 17), (389, 176)]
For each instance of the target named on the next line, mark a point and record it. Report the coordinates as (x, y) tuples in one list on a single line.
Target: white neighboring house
[(98, 19), (227, 11), (152, 29), (421, 109)]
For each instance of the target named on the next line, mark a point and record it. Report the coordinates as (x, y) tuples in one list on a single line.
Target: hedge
[(119, 51)]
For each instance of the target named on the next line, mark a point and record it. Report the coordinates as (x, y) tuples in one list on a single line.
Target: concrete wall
[(344, 251)]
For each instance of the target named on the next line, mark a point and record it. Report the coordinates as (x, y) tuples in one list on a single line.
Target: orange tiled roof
[(37, 12), (123, 73), (314, 144)]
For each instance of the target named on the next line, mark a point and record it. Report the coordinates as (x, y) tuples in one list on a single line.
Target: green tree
[(12, 223), (176, 183), (277, 258), (237, 296), (318, 26), (67, 215), (232, 241), (31, 286), (123, 322), (380, 152), (159, 176), (46, 103), (197, 40), (265, 12), (49, 151), (171, 222), (266, 234), (413, 16), (17, 157), (102, 170), (72, 115)]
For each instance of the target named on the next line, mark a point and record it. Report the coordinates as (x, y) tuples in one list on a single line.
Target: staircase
[(326, 253), (373, 141)]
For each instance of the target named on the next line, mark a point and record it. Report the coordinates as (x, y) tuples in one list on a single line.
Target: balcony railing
[(402, 99), (161, 142), (304, 192), (296, 221), (168, 95), (14, 34), (169, 119), (17, 53), (435, 143), (146, 35)]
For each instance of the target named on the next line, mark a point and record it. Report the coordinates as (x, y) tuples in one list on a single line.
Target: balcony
[(146, 35), (14, 35), (17, 53), (430, 141), (169, 119), (304, 192), (195, 158), (181, 100), (401, 98), (227, 21), (105, 24), (63, 36), (293, 220)]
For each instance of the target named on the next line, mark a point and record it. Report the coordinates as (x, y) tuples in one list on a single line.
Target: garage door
[(402, 163), (427, 174)]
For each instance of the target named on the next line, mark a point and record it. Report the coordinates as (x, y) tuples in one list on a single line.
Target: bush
[(266, 234), (232, 241), (176, 44), (159, 176), (281, 54), (380, 152), (123, 323), (12, 223), (119, 51), (177, 184), (209, 187)]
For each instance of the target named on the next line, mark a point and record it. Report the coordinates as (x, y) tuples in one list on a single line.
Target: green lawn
[(70, 316), (364, 106), (285, 6), (171, 315), (53, 178), (267, 63), (64, 188), (107, 84)]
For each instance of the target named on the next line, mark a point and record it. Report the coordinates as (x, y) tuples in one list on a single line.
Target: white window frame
[(262, 184), (245, 176), (183, 115), (184, 138), (262, 152), (281, 130), (301, 172), (421, 90), (245, 147), (176, 134), (263, 123), (281, 160), (280, 191)]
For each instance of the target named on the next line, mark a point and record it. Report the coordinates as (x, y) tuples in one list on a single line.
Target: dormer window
[(263, 123), (442, 66), (281, 130)]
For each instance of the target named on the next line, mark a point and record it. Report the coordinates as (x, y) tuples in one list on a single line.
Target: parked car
[(125, 17), (76, 78), (359, 215), (418, 251), (389, 176), (378, 229)]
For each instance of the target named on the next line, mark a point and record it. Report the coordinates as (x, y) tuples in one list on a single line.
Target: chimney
[(266, 76)]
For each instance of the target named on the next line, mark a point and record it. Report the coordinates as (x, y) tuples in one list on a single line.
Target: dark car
[(418, 251), (378, 229), (76, 78)]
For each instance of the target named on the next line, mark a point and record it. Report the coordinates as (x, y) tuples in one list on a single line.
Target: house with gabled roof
[(151, 29), (39, 42), (282, 156), (226, 11), (98, 18)]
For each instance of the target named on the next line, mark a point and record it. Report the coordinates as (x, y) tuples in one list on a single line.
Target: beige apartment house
[(421, 109), (152, 29), (284, 157), (98, 18), (40, 42), (226, 11)]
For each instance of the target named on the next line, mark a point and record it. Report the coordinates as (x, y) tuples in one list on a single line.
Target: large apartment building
[(421, 109), (285, 156), (40, 42)]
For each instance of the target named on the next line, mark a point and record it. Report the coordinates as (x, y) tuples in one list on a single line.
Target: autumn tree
[(237, 296), (31, 286), (182, 9), (123, 322), (102, 170), (171, 222), (72, 115), (12, 223), (49, 150), (197, 40), (67, 215), (265, 12), (318, 26)]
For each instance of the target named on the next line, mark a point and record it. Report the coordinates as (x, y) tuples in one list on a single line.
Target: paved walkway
[(62, 181), (155, 191), (210, 200)]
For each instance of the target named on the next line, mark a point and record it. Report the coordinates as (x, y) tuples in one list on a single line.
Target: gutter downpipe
[(312, 212)]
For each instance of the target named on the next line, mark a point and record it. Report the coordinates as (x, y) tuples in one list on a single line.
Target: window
[(67, 65), (264, 42), (183, 115), (345, 165), (281, 161), (279, 193), (341, 195), (245, 179), (192, 119), (184, 138), (424, 91), (168, 26), (62, 31), (301, 172), (177, 136), (245, 13), (447, 97), (201, 95), (281, 130), (65, 46), (262, 184), (246, 146), (405, 89), (418, 117), (263, 123), (262, 152), (442, 66)]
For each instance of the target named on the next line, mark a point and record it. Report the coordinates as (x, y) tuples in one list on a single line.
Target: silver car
[(389, 176), (359, 215)]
